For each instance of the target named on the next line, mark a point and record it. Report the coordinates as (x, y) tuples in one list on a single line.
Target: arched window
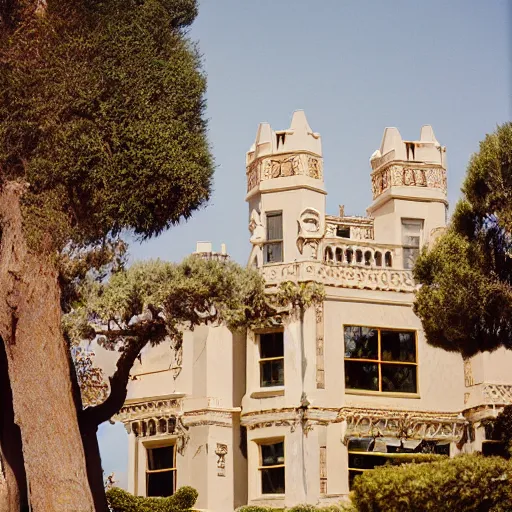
[(162, 426), (328, 254), (368, 258), (152, 427), (359, 256), (339, 255), (378, 259), (349, 255), (388, 259)]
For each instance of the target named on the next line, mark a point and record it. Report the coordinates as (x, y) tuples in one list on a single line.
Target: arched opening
[(349, 255), (359, 256), (388, 259), (144, 428), (162, 426), (378, 259), (152, 427), (339, 255), (368, 258), (328, 254)]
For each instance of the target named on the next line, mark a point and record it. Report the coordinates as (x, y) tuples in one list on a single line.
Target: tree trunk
[(44, 410), (13, 481)]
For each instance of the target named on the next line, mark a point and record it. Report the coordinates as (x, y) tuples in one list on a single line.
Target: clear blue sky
[(355, 67)]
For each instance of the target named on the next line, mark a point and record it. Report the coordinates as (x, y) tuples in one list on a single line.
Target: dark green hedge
[(121, 501), (464, 483)]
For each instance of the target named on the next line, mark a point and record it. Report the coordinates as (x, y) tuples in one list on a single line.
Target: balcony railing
[(341, 275)]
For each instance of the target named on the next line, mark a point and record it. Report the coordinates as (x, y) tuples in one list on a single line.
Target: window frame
[(174, 469), (380, 361), (409, 246), (261, 467), (273, 241), (263, 360)]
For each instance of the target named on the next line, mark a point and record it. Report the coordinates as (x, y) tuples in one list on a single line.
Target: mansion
[(293, 414)]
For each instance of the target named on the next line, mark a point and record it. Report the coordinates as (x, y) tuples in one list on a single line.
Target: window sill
[(388, 394), (268, 392)]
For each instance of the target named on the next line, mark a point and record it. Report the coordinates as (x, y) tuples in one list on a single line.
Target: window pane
[(272, 373), (272, 454), (361, 343), (358, 461), (410, 257), (398, 346), (160, 484), (273, 252), (399, 378), (271, 345), (275, 226), (361, 375), (161, 458), (272, 481)]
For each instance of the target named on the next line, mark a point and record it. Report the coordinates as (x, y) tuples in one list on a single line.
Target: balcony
[(341, 275)]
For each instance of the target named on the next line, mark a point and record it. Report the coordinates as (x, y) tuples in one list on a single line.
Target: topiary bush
[(467, 482), (121, 501)]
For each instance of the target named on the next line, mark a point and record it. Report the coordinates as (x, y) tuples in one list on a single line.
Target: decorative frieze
[(419, 425), (497, 393), (279, 166), (320, 370), (406, 176), (150, 409), (341, 276)]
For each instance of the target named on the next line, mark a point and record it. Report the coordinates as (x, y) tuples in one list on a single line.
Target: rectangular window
[(272, 468), (273, 249), (161, 471), (411, 241), (381, 360), (271, 360), (343, 231)]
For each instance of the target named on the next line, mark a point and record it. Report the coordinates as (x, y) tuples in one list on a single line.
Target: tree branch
[(98, 414)]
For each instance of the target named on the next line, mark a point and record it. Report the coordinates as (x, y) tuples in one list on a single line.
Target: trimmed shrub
[(467, 482), (255, 508), (121, 501)]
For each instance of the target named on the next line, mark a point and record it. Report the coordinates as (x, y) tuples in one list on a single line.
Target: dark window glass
[(272, 373), (361, 343), (352, 475), (494, 448), (398, 346), (272, 470), (272, 454), (271, 369), (273, 252), (161, 474), (274, 226), (343, 231), (399, 378), (272, 481), (271, 345), (161, 458), (364, 461), (160, 484), (359, 375)]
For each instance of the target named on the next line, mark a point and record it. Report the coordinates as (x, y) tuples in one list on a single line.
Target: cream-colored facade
[(292, 414)]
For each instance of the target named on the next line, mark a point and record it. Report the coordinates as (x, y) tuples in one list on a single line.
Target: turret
[(285, 188), (409, 190)]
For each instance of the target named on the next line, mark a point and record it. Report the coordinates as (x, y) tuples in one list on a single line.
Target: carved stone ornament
[(221, 452), (340, 276), (402, 425), (257, 229), (497, 393), (309, 232), (282, 166), (404, 176)]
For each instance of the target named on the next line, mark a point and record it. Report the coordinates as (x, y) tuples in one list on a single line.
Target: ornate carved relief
[(278, 166), (468, 373), (257, 229), (497, 393), (402, 424), (221, 452), (340, 276), (309, 232), (320, 369), (323, 469), (399, 175)]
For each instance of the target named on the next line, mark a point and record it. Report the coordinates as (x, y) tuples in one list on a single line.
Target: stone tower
[(409, 191), (285, 192)]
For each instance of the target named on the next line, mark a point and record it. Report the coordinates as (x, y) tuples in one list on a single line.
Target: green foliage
[(465, 301), (101, 112), (342, 507), (500, 428), (121, 501), (467, 482)]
